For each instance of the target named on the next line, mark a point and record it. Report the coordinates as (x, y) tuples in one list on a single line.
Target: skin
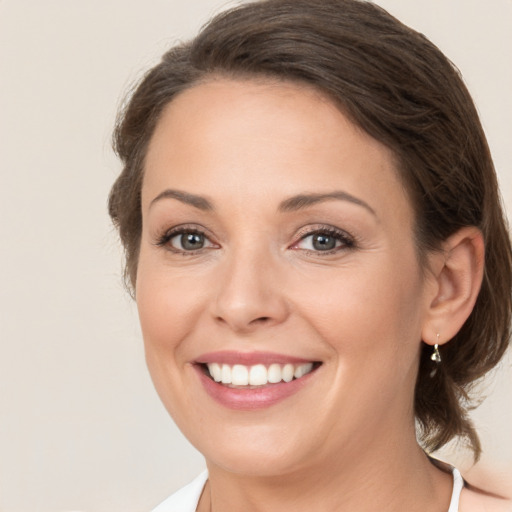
[(346, 440)]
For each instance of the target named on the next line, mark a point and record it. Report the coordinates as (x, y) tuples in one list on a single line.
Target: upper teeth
[(257, 375)]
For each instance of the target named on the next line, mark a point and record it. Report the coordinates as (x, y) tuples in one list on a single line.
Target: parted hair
[(397, 86)]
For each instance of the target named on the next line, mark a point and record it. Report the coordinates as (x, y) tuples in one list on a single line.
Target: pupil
[(192, 241), (324, 242)]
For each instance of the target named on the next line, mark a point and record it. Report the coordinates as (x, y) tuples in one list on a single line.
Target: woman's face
[(277, 240)]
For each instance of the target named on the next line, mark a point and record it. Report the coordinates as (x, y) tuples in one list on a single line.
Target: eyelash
[(347, 241), (164, 239)]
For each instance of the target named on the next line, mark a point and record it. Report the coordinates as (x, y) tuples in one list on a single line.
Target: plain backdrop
[(81, 428)]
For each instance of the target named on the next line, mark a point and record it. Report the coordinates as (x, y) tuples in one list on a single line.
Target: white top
[(187, 498)]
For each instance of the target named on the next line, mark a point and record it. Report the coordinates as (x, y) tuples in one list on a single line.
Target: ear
[(456, 274)]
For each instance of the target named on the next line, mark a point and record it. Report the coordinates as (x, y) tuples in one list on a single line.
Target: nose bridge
[(248, 290)]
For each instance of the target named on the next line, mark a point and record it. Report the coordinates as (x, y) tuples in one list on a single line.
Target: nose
[(250, 293)]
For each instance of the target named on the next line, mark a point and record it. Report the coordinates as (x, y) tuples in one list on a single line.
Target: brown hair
[(397, 86)]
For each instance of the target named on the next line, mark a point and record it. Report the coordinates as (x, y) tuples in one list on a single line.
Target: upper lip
[(232, 357)]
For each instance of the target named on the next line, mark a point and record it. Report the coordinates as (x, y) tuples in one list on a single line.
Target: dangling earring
[(436, 356)]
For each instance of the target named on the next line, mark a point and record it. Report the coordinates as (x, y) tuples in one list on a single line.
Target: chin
[(253, 463), (262, 451)]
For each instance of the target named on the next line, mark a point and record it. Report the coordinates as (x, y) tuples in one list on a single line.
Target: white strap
[(458, 485)]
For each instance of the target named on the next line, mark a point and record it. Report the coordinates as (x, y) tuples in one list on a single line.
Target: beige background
[(80, 425)]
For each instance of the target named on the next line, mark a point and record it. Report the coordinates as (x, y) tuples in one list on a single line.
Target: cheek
[(168, 305), (365, 312), (168, 308)]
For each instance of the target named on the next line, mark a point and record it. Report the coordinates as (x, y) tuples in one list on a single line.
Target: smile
[(249, 381), (240, 375)]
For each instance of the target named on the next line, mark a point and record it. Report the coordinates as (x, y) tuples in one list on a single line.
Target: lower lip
[(251, 399)]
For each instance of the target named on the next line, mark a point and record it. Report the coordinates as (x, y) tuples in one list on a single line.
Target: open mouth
[(258, 375)]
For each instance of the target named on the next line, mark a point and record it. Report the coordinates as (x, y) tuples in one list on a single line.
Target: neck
[(392, 473)]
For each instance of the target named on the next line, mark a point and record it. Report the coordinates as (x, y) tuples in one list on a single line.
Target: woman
[(315, 241)]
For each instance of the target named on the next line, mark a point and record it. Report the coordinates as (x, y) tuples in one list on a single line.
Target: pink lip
[(248, 358), (249, 399)]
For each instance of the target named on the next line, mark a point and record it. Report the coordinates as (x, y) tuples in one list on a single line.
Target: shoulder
[(473, 499), (185, 499)]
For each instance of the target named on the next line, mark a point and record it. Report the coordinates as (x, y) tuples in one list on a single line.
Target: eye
[(326, 240), (188, 241), (185, 240), (321, 242)]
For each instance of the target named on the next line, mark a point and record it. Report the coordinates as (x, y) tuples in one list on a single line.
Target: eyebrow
[(302, 201), (194, 200), (294, 203)]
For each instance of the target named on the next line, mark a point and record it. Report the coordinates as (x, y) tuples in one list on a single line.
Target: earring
[(436, 357)]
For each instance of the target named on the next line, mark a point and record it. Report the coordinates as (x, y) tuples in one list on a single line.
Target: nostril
[(261, 319), (245, 325)]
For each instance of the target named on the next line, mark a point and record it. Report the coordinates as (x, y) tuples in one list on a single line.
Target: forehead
[(239, 138)]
